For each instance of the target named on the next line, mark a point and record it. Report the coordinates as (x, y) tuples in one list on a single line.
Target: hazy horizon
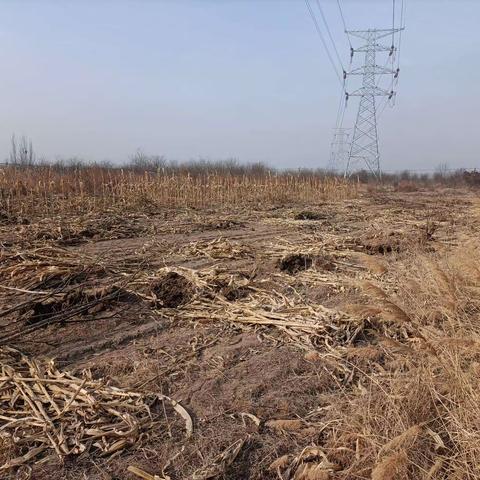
[(228, 79)]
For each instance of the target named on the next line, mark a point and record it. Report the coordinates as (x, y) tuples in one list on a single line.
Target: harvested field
[(332, 339)]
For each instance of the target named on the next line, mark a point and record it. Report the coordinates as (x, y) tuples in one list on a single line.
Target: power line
[(330, 34), (380, 78), (344, 22), (319, 32), (383, 105), (338, 147), (342, 106), (402, 26), (339, 108), (393, 24), (391, 57)]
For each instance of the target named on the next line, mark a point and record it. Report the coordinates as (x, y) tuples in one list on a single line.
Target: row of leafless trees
[(439, 176), (22, 154)]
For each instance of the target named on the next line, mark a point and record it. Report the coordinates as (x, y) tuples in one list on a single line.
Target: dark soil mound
[(309, 215), (295, 263), (172, 290), (382, 249), (235, 293), (392, 243), (44, 310), (79, 302)]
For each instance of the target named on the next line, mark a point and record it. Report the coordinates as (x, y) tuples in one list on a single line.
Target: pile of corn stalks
[(46, 414), (74, 230)]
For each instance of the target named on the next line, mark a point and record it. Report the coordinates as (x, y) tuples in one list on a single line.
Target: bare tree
[(13, 151), (22, 153)]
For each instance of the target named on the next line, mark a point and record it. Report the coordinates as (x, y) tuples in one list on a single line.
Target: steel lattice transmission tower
[(364, 144), (340, 149)]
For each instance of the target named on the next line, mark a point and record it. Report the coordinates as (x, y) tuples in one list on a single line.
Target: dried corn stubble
[(214, 469), (74, 230), (285, 425), (47, 413), (221, 462), (311, 463), (94, 189), (46, 267)]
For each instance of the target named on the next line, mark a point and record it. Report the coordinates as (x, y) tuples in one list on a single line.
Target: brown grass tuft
[(394, 466), (374, 290)]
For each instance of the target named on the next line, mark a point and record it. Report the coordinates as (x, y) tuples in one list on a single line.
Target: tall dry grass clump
[(46, 189), (414, 412)]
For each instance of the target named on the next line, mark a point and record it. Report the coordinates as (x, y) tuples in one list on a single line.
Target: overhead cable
[(330, 34), (319, 32), (344, 22)]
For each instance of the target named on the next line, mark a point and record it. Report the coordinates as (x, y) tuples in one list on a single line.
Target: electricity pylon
[(340, 149), (364, 146)]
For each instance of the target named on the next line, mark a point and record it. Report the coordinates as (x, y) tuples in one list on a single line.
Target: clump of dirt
[(391, 243), (295, 262), (44, 310), (309, 215), (233, 293), (382, 248), (78, 302), (172, 290)]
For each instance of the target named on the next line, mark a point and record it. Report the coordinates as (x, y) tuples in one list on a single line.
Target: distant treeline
[(140, 163), (22, 154)]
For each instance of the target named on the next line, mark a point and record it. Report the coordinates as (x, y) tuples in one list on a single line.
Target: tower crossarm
[(376, 33), (375, 70), (370, 91), (378, 48)]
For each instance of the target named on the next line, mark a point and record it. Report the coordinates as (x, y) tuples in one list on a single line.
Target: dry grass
[(418, 415)]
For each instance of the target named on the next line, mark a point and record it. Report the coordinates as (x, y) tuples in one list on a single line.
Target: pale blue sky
[(228, 78)]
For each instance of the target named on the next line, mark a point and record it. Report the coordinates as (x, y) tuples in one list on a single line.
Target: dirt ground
[(230, 313)]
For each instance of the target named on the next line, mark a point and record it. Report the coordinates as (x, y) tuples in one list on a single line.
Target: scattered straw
[(48, 413)]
